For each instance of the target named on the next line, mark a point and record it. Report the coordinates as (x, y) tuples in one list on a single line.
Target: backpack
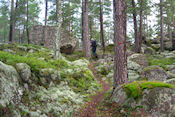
[(93, 43)]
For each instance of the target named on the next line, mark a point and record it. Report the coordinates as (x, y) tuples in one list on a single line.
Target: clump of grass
[(161, 62), (135, 89)]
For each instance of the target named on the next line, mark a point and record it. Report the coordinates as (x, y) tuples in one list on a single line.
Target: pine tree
[(120, 59)]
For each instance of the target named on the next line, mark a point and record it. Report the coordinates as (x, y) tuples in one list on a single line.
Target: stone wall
[(38, 37)]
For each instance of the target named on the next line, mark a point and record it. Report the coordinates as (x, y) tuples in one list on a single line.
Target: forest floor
[(91, 107)]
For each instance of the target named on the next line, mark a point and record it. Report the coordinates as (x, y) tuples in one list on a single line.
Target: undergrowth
[(161, 62)]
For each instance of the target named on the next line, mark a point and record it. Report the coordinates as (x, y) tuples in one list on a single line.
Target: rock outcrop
[(10, 91), (67, 43)]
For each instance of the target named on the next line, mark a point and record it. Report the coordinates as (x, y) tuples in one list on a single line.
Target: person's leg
[(95, 53)]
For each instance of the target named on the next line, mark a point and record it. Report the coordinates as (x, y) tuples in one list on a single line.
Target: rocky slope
[(34, 84)]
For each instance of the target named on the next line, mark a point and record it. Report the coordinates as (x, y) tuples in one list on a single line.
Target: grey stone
[(9, 50), (10, 91), (67, 43), (49, 75), (24, 71), (157, 102), (154, 73)]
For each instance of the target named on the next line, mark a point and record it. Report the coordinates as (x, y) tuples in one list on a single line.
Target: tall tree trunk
[(27, 28), (45, 22), (58, 28), (141, 26), (101, 28), (70, 28), (82, 29), (12, 24), (46, 9), (161, 27), (91, 27), (86, 30), (120, 58), (23, 34), (136, 43)]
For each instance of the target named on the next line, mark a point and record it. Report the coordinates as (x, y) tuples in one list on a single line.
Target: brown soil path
[(90, 109)]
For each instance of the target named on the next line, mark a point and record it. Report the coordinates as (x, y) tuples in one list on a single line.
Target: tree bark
[(82, 30), (91, 27), (136, 43), (46, 9), (101, 28), (12, 24), (70, 28), (58, 28), (27, 28), (161, 27), (45, 22), (120, 58), (141, 26), (86, 30)]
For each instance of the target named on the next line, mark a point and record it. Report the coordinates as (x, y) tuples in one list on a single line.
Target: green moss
[(75, 55), (162, 62), (110, 48), (40, 55), (34, 63), (135, 89)]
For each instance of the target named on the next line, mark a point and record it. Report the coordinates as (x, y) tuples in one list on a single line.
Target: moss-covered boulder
[(10, 91), (154, 73), (156, 98)]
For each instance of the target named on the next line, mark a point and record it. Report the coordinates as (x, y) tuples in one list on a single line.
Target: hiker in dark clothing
[(94, 47)]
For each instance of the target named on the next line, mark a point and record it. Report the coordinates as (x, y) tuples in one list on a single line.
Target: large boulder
[(67, 43), (159, 102), (24, 71), (154, 73), (10, 91), (157, 99)]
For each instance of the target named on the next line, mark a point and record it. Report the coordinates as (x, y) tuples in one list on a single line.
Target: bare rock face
[(67, 43), (154, 73), (10, 91)]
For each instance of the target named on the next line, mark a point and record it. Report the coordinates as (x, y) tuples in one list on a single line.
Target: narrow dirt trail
[(90, 109)]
